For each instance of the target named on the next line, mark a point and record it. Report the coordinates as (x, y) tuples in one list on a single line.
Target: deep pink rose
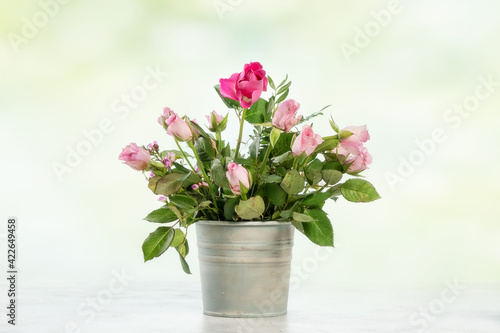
[(357, 156), (359, 135), (178, 128), (236, 174), (247, 86), (218, 119), (135, 157), (306, 141), (284, 118)]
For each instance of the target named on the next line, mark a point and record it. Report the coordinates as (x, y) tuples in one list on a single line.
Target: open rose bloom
[(246, 86), (355, 155), (286, 170)]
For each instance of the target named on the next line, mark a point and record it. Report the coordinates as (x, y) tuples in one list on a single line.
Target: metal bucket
[(245, 267)]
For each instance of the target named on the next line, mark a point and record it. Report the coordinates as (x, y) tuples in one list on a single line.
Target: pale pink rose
[(135, 157), (236, 174), (162, 198), (357, 156), (284, 118), (306, 141), (217, 116), (179, 128), (167, 112), (195, 187), (359, 135), (247, 86)]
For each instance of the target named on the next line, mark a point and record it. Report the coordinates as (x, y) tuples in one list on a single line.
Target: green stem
[(266, 156), (243, 115), (184, 154), (202, 168)]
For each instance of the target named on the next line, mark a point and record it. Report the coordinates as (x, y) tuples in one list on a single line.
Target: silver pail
[(245, 267)]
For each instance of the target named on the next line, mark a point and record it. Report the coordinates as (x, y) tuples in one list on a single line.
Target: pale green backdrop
[(74, 69)]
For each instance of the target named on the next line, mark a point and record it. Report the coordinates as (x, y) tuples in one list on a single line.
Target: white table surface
[(164, 308)]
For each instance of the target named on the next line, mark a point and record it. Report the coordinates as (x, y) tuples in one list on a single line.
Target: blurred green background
[(72, 68)]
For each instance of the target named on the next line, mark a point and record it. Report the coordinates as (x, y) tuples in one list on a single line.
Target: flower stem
[(266, 156), (243, 115), (202, 168), (184, 154)]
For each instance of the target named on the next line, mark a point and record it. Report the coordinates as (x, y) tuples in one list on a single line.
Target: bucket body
[(245, 267)]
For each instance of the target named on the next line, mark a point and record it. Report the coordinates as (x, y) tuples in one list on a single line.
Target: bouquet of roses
[(286, 174)]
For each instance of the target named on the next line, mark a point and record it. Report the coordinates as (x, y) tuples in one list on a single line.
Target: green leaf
[(256, 114), (316, 199), (162, 215), (327, 145), (229, 209), (218, 174), (183, 201), (166, 185), (157, 242), (311, 116), (252, 208), (283, 157), (271, 178), (293, 183), (359, 190), (185, 266), (298, 226), (270, 107), (179, 237), (282, 97), (298, 217), (275, 194), (283, 82), (331, 177), (284, 88), (230, 103), (313, 171), (274, 136), (271, 82), (183, 251), (180, 168), (319, 231), (283, 144), (205, 149)]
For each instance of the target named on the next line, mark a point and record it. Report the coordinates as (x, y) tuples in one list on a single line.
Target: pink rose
[(359, 135), (247, 86), (167, 112), (306, 141), (135, 157), (217, 117), (178, 128), (284, 117), (357, 156), (196, 134), (236, 174)]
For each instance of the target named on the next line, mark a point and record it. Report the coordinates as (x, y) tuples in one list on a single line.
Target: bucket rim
[(243, 223)]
